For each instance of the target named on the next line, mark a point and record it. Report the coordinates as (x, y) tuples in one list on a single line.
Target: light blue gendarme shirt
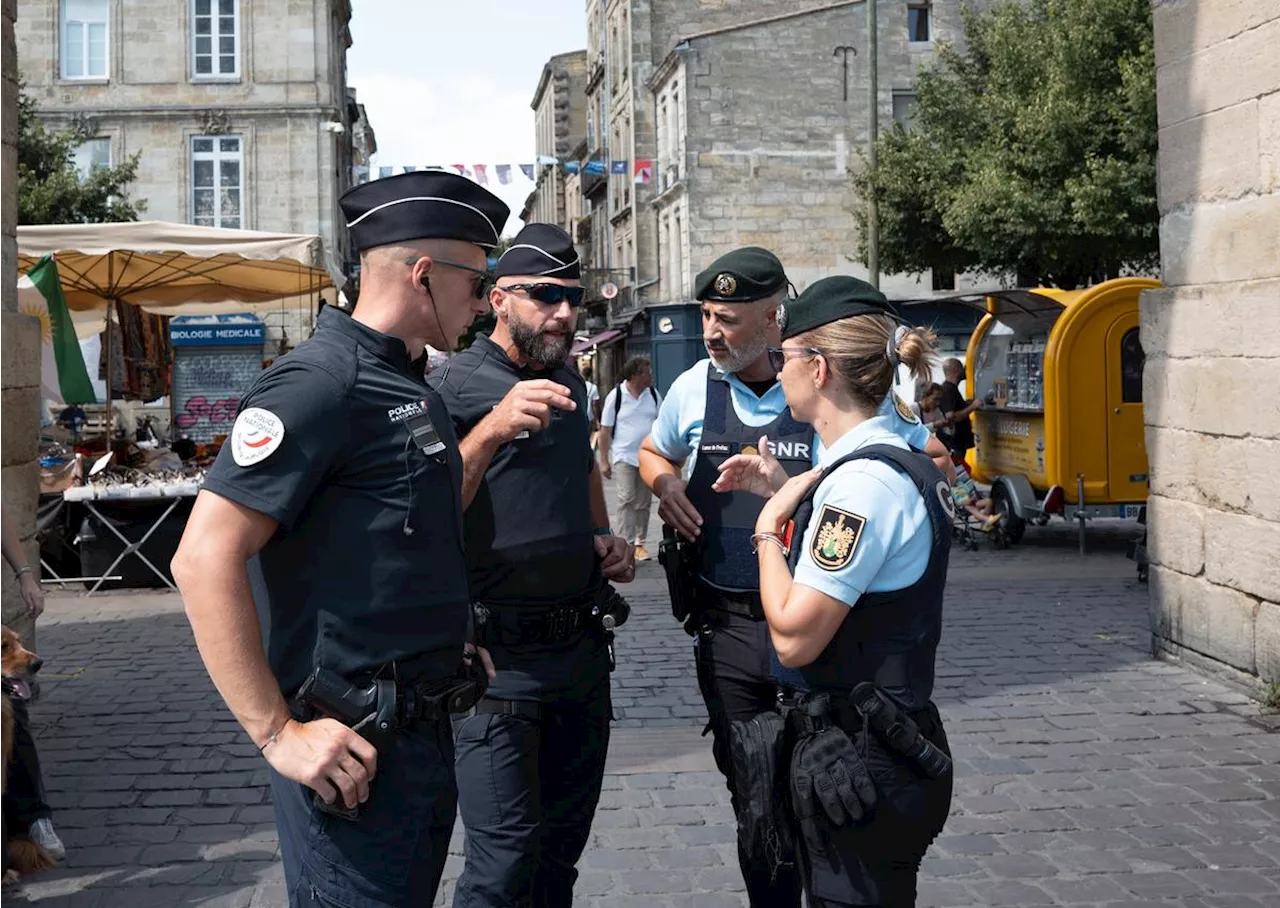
[(678, 428)]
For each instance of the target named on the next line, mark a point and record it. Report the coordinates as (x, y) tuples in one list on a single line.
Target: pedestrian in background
[(626, 418)]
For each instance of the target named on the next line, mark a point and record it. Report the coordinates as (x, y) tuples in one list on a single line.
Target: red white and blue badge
[(256, 435)]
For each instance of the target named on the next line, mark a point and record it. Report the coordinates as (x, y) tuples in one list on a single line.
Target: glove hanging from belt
[(828, 775)]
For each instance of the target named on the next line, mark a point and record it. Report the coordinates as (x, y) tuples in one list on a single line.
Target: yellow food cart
[(1061, 430)]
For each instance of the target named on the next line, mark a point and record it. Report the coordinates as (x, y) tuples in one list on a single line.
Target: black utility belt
[(503, 624), (744, 605), (866, 706), (386, 705)]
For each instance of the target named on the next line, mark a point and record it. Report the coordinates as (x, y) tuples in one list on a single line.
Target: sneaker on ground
[(641, 553), (41, 832)]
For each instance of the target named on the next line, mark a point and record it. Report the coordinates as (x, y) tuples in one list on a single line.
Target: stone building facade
[(752, 126), (240, 111), (758, 123), (1211, 335), (560, 124), (20, 363)]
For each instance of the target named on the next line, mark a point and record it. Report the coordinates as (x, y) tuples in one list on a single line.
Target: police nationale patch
[(835, 538), (255, 436), (904, 410)]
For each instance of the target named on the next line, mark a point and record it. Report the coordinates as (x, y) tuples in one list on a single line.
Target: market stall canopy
[(171, 269)]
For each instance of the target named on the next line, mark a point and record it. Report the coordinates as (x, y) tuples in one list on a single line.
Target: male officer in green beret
[(720, 407)]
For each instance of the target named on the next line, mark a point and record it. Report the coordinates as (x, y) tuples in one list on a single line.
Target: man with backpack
[(627, 415)]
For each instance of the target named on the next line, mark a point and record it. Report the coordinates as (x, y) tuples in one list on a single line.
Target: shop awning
[(595, 340)]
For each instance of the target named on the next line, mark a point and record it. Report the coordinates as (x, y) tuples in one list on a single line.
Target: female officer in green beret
[(852, 592)]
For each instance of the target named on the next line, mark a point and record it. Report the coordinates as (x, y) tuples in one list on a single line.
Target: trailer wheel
[(1012, 525)]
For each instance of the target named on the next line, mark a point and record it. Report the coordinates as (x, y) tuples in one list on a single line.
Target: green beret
[(742, 276), (829, 300)]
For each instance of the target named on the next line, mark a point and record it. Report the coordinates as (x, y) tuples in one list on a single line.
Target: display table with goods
[(133, 521)]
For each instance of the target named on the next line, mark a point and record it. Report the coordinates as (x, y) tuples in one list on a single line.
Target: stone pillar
[(20, 362), (1212, 338)]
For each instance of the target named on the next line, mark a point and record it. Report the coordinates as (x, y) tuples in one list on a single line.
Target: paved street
[(1087, 773)]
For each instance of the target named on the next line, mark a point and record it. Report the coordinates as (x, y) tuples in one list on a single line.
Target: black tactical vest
[(890, 638), (729, 518)]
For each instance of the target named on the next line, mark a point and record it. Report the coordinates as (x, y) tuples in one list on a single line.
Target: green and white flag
[(63, 377)]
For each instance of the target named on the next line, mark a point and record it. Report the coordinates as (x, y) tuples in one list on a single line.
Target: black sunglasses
[(778, 355), (484, 279), (551, 294)]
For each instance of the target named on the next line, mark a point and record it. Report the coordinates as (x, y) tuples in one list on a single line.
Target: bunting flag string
[(641, 169)]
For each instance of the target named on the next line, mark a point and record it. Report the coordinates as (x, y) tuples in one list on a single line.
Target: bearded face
[(545, 346)]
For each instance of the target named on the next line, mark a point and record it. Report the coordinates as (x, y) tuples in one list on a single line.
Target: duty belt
[(745, 604), (514, 624)]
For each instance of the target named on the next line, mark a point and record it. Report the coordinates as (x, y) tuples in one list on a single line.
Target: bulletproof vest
[(890, 638), (729, 518)]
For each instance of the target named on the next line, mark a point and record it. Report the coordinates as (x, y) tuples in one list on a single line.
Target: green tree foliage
[(50, 191), (1031, 151)]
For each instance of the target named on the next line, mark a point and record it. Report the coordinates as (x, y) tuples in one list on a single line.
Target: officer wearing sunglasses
[(530, 756)]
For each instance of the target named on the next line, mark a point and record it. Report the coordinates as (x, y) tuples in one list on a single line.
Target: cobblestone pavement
[(1087, 773)]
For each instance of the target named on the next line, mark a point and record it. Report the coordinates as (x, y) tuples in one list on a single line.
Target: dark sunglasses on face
[(551, 294), (778, 355)]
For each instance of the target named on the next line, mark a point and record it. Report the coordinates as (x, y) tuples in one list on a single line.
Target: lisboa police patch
[(904, 410), (835, 538)]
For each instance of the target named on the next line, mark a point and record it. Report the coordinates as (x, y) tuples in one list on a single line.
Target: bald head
[(953, 369)]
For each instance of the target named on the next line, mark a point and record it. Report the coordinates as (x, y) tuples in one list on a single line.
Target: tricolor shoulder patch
[(255, 436), (835, 538)]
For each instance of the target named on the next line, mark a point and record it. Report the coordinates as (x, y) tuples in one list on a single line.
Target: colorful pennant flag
[(482, 174), (384, 172), (409, 168), (548, 159), (527, 170), (572, 166), (617, 167), (504, 173), (644, 171)]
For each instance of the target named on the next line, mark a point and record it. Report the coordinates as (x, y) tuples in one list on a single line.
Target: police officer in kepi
[(852, 562), (339, 491), (530, 756), (717, 409)]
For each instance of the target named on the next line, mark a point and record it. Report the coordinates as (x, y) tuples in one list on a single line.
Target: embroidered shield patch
[(904, 410), (835, 538)]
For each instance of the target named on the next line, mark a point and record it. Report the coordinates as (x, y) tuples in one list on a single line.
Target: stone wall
[(20, 364), (770, 138), (1211, 336)]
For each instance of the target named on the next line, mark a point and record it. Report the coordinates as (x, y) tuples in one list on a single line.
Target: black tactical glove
[(828, 774)]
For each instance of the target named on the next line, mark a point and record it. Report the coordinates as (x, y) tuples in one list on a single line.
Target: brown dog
[(18, 664)]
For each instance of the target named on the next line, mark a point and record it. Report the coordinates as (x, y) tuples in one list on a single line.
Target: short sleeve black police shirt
[(529, 530), (354, 456)]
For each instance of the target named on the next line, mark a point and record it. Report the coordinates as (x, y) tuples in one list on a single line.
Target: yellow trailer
[(1061, 429)]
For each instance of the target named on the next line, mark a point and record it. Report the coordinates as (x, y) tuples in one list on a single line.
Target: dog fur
[(25, 856)]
